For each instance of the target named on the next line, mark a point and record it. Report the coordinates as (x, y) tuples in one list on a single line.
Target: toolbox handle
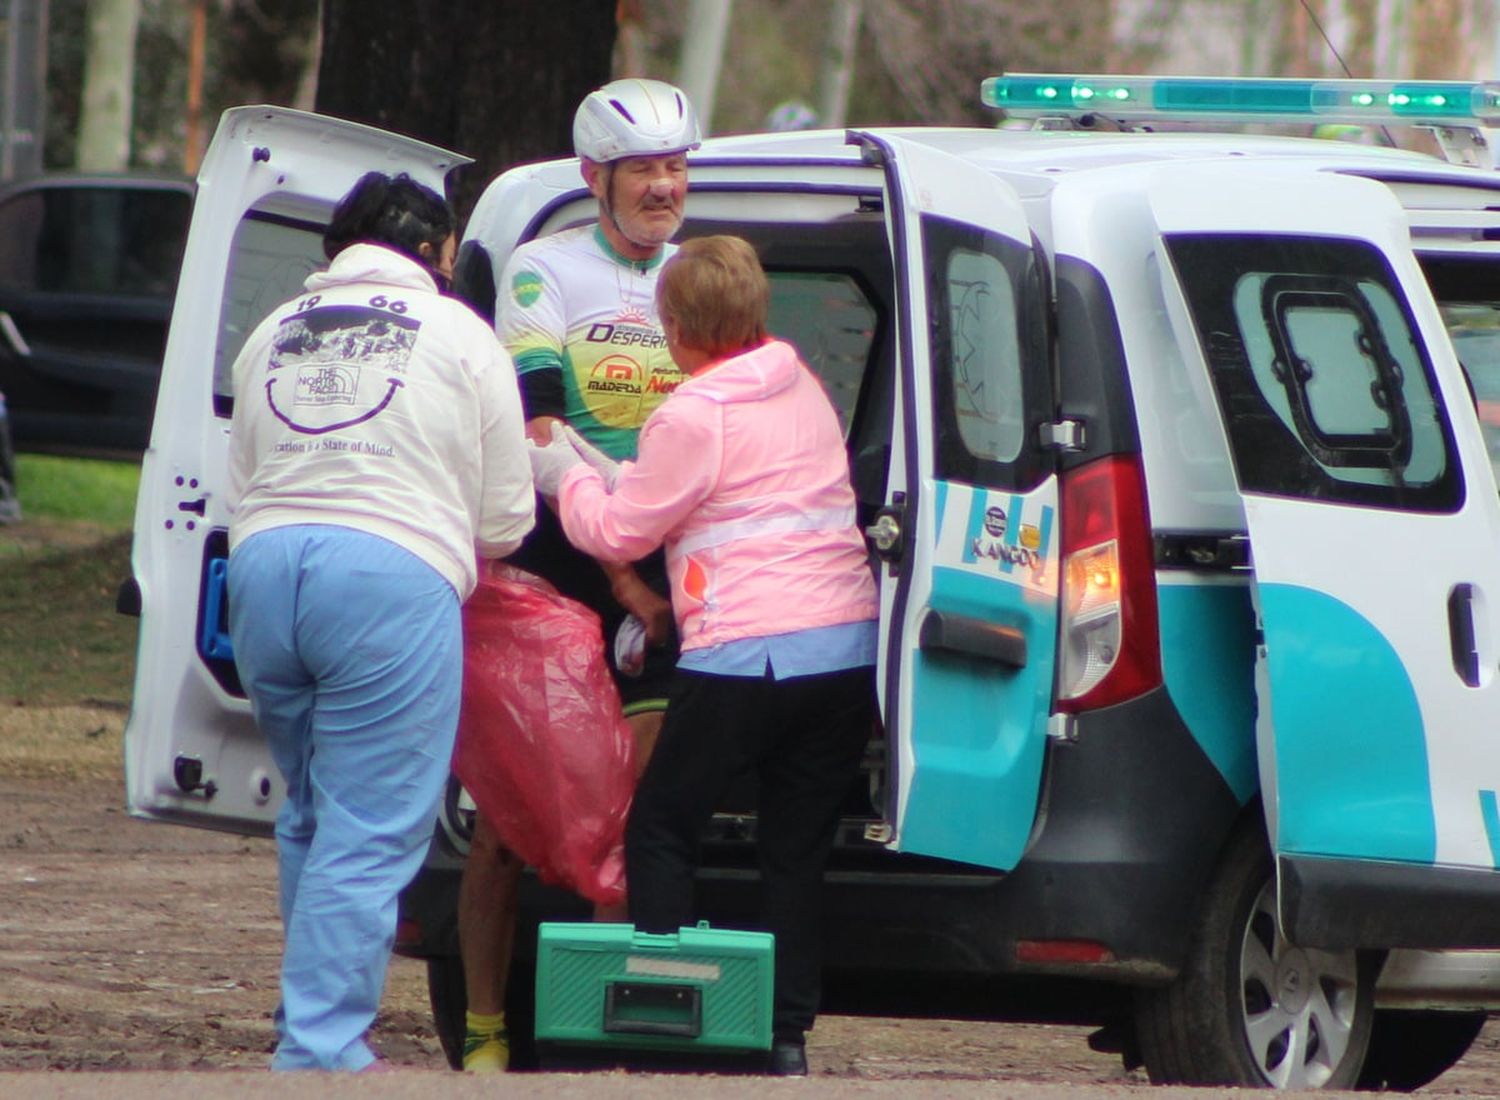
[(653, 1008), (662, 941), (654, 941)]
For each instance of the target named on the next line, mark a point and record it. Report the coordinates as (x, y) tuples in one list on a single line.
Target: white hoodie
[(374, 402)]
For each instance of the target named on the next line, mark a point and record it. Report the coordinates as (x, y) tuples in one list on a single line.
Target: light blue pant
[(351, 651)]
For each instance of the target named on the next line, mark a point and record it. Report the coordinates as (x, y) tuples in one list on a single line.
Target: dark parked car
[(88, 271)]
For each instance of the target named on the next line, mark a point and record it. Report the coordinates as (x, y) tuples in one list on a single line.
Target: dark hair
[(397, 212)]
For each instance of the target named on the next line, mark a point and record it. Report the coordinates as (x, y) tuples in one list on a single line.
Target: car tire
[(1249, 1008), (449, 998), (1409, 1049)]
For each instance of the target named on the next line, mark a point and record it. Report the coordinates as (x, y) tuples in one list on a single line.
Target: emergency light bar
[(1233, 99)]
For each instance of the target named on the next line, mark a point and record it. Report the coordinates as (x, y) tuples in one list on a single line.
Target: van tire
[(449, 998), (1196, 1031)]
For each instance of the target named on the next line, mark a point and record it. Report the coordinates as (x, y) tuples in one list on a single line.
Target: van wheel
[(1250, 1008), (450, 1001), (1409, 1049)]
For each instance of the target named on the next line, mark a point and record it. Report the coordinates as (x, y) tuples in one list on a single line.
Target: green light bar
[(1232, 99)]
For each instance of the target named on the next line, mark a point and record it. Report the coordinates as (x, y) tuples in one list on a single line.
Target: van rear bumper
[(1131, 820)]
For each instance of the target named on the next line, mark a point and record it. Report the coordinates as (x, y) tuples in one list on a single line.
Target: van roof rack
[(1457, 110)]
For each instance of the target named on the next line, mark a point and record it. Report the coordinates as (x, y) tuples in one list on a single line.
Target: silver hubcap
[(1297, 1004)]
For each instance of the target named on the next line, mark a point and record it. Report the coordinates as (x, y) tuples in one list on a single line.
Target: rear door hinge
[(1062, 435)]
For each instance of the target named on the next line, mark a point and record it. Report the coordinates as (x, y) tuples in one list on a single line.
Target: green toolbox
[(608, 988)]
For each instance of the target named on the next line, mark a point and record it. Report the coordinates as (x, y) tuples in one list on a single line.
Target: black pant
[(547, 552), (804, 738)]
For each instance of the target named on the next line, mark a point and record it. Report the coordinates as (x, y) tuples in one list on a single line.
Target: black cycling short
[(547, 552)]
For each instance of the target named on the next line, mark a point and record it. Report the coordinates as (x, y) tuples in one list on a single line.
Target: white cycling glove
[(550, 463), (607, 467)]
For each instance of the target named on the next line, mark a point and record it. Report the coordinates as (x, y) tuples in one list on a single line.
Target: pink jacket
[(742, 474)]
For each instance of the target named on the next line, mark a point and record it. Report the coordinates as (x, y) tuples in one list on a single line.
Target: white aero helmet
[(634, 118)]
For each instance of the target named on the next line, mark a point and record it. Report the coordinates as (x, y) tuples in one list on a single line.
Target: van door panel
[(969, 611), (1373, 523), (269, 183)]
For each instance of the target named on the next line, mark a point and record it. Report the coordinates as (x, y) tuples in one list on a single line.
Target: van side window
[(988, 359), (1323, 383), (270, 258)]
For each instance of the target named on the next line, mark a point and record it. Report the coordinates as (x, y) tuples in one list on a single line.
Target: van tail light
[(1110, 644)]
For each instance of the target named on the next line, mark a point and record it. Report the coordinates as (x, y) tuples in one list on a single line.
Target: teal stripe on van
[(1491, 815), (1351, 751), (981, 729), (1208, 663)]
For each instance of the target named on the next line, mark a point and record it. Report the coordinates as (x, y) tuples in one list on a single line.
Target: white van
[(1182, 506)]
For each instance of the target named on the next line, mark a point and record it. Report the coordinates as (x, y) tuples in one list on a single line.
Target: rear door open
[(266, 191), (969, 595), (1374, 531)]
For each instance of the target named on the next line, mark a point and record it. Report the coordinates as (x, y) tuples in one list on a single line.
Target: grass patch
[(91, 490), (67, 658), (63, 641)]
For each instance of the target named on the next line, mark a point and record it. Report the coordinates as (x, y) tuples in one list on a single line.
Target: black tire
[(1249, 1008), (450, 1000), (1409, 1049), (520, 1011)]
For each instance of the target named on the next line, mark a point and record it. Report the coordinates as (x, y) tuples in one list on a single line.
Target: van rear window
[(1322, 381), (268, 262), (990, 378)]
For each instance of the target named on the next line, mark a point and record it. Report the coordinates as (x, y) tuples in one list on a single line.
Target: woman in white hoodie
[(376, 446)]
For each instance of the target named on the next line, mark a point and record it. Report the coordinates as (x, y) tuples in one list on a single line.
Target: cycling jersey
[(569, 302)]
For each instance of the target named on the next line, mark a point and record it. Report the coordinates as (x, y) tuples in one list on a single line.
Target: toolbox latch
[(653, 1008)]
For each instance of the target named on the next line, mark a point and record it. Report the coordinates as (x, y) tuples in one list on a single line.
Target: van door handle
[(961, 634), (885, 534), (1461, 634)]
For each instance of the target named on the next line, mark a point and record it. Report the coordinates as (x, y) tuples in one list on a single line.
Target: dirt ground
[(127, 945)]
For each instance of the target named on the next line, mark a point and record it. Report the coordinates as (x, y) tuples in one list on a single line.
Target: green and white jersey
[(570, 301)]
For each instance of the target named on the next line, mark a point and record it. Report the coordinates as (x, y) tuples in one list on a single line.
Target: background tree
[(914, 61), (109, 68), (258, 51), (496, 81)]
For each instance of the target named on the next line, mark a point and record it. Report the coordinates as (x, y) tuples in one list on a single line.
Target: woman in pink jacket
[(742, 474)]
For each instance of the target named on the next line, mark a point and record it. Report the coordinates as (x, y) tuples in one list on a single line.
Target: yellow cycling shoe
[(486, 1044)]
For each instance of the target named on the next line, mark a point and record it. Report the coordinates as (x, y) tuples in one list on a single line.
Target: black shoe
[(788, 1058)]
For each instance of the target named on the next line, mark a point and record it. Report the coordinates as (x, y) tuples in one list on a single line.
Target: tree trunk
[(703, 55), (23, 87), (108, 70), (496, 81), (837, 68)]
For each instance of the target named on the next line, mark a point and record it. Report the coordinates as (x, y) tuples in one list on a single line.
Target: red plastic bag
[(542, 746)]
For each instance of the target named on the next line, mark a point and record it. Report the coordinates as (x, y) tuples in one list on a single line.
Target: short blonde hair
[(714, 291)]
